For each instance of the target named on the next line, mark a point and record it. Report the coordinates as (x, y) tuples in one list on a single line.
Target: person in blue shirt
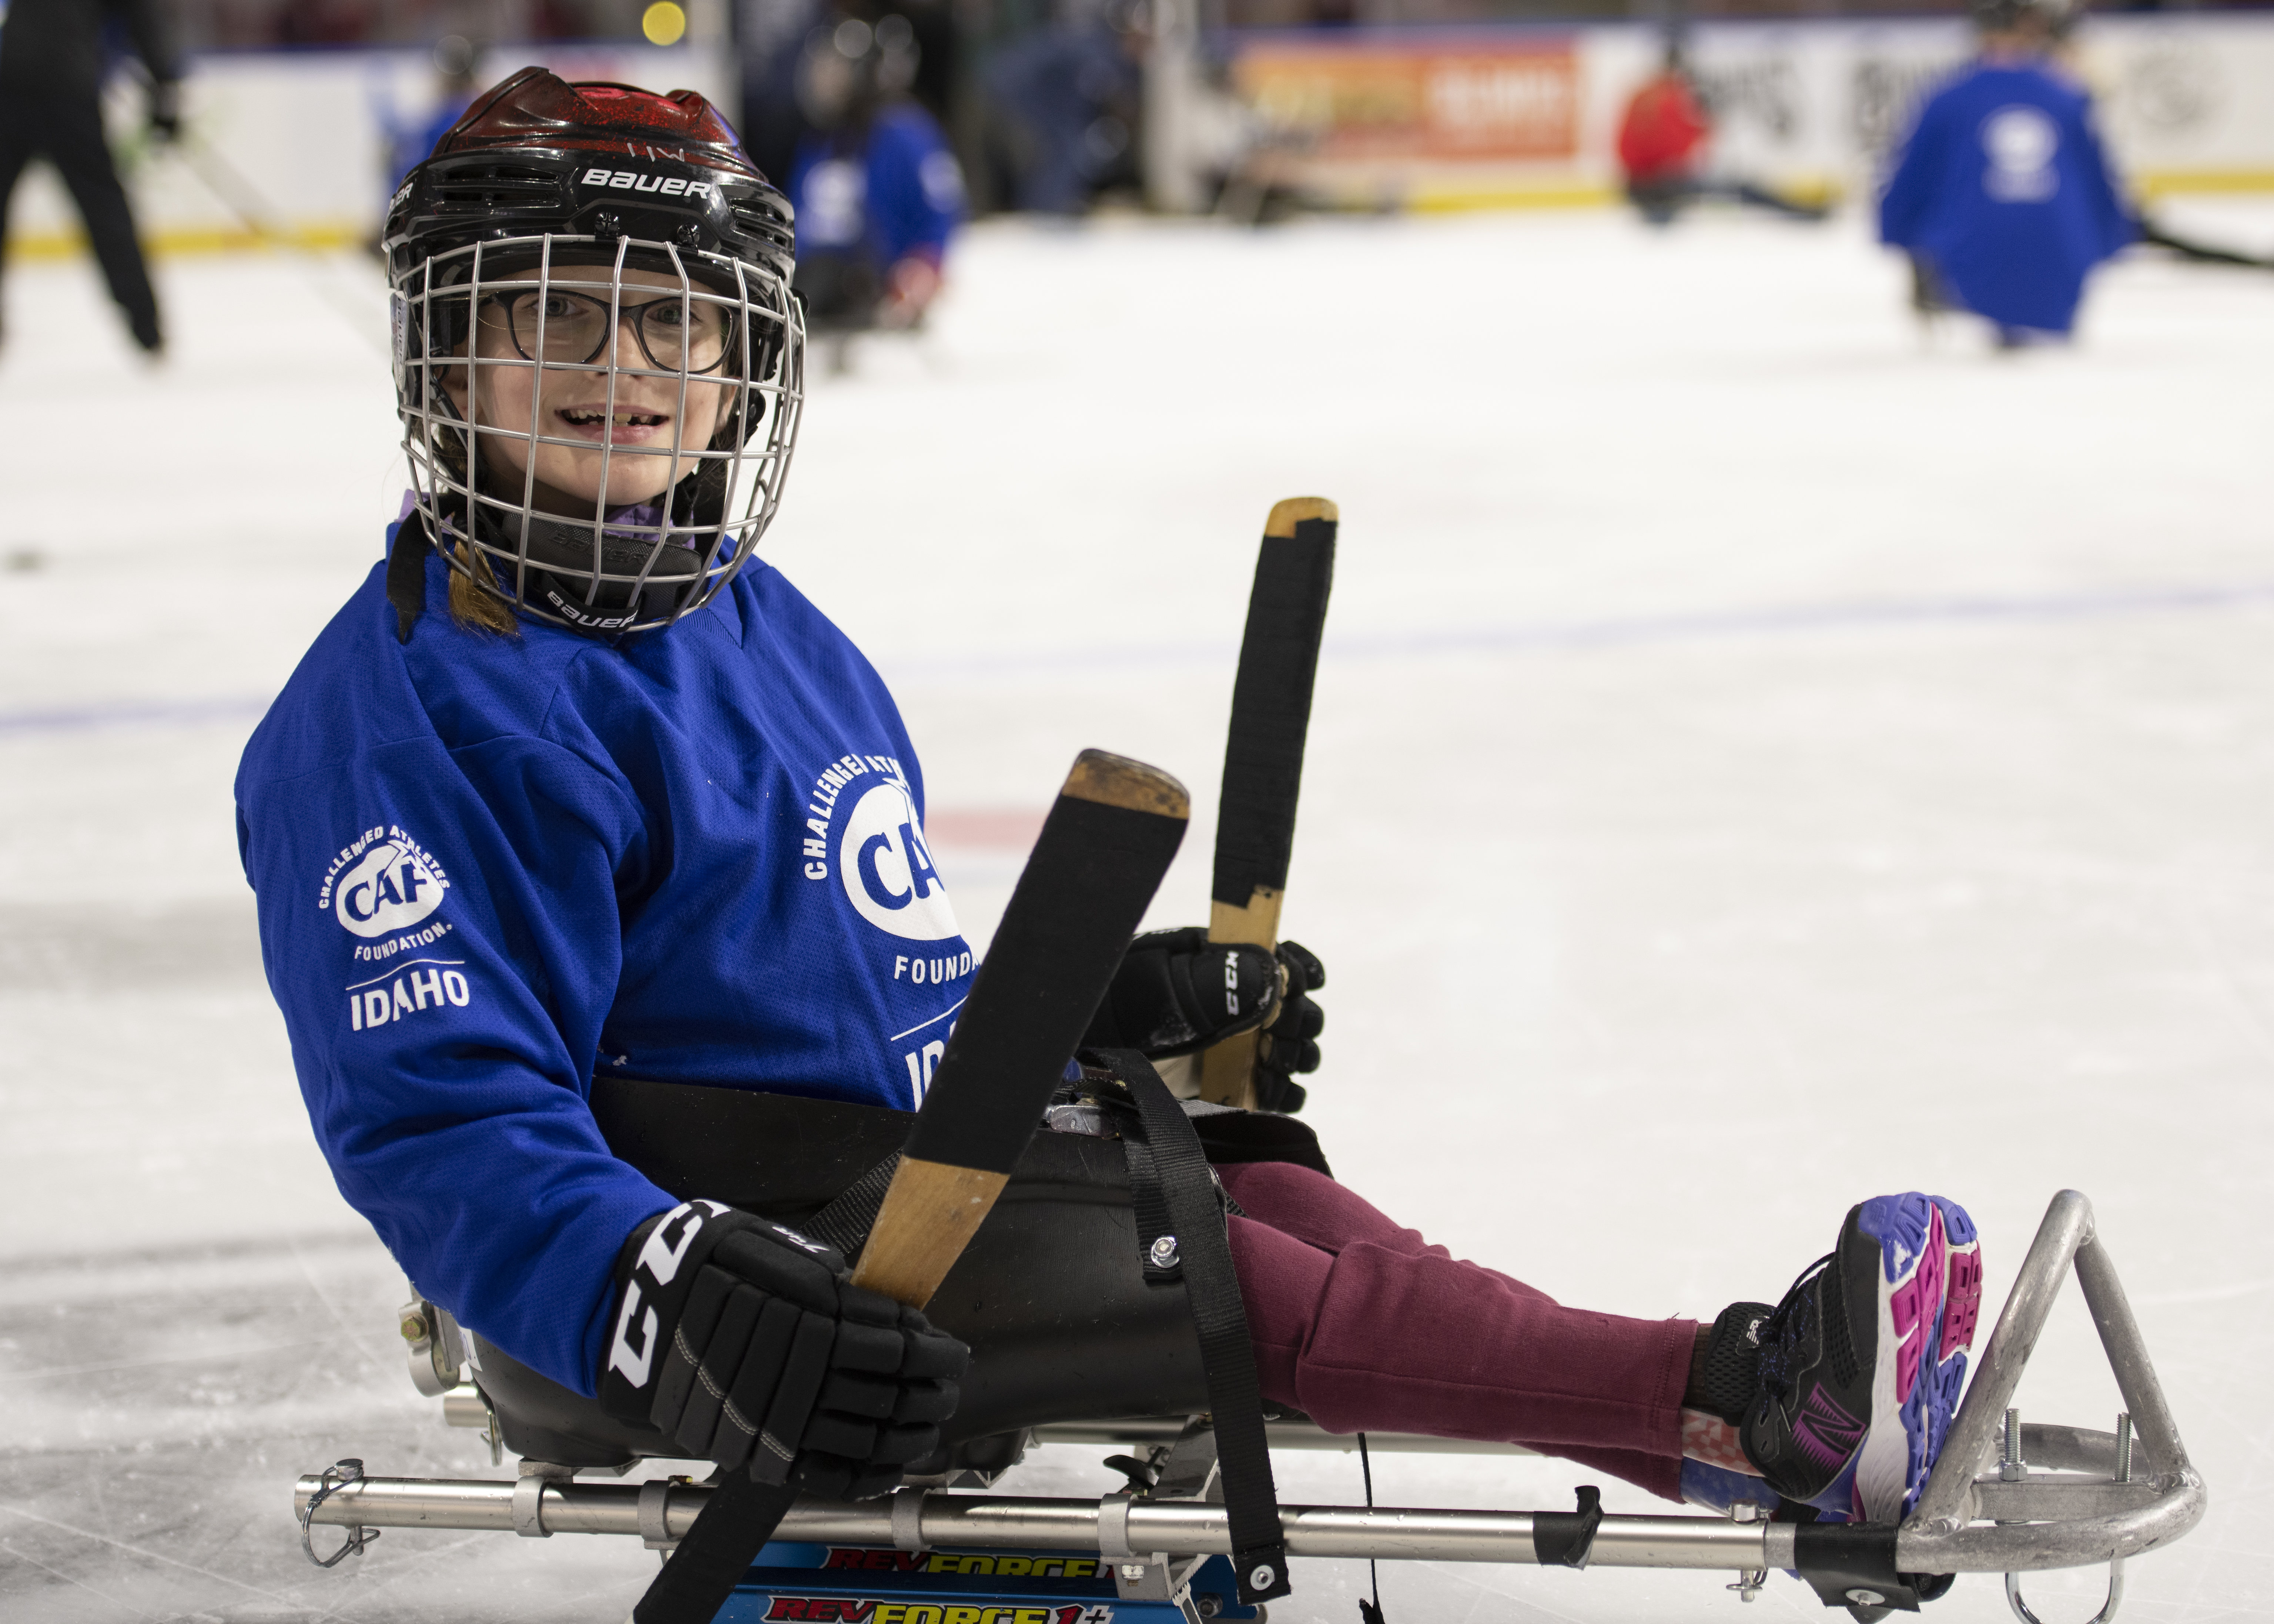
[(876, 192), (2002, 195), (410, 138), (575, 788), (1065, 99)]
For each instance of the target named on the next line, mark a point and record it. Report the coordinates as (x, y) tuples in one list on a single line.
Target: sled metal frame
[(2096, 1498)]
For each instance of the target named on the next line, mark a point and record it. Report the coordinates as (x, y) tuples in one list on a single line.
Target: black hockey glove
[(1176, 992), (747, 1344), (1291, 1045)]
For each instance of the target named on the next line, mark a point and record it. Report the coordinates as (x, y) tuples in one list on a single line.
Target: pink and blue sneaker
[(1962, 1306), (1861, 1366)]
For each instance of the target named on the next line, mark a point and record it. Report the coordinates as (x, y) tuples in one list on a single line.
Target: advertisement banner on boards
[(1476, 115), (1464, 99)]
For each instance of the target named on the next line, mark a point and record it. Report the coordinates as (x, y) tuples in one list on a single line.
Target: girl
[(575, 790)]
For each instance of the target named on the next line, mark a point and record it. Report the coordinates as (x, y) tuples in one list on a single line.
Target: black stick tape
[(1271, 712)]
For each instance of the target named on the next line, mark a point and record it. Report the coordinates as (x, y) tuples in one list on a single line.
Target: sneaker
[(1946, 1370), (1728, 1378), (1861, 1362)]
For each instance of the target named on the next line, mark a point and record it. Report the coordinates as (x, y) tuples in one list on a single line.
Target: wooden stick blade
[(1102, 849)]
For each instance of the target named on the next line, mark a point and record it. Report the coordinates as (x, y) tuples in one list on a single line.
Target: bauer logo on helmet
[(630, 180)]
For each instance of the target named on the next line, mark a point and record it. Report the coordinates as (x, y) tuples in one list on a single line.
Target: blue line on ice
[(1805, 617), (130, 713), (1627, 632), (1641, 630)]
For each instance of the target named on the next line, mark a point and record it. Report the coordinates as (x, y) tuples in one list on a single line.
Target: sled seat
[(1051, 1295)]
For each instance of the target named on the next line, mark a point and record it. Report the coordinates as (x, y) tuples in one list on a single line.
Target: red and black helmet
[(553, 196), (538, 155)]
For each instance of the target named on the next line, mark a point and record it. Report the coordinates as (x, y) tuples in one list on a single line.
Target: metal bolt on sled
[(2005, 1497)]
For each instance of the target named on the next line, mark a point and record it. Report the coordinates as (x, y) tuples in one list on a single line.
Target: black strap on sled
[(1839, 1559), (406, 573), (846, 1222), (1567, 1538), (1158, 1250), (729, 1532), (1202, 1253)]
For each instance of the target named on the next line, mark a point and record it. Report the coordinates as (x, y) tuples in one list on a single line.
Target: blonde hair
[(476, 603)]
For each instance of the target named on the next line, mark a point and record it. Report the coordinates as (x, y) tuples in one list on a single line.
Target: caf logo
[(2021, 143), (887, 867), (390, 887)]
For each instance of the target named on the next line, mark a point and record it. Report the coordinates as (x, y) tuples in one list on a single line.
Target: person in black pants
[(52, 62)]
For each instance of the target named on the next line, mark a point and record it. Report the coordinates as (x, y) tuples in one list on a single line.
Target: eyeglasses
[(677, 333)]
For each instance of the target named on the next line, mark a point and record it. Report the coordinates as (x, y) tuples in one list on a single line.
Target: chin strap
[(414, 545), (406, 573)]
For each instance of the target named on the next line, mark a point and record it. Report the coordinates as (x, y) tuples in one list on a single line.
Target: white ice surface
[(1760, 760)]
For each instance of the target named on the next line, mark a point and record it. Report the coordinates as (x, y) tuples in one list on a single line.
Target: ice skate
[(1856, 1386)]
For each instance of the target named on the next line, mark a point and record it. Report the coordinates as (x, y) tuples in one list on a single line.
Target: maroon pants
[(1364, 1327)]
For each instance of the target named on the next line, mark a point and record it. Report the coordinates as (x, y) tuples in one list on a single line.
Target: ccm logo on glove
[(747, 1344), (1164, 1000)]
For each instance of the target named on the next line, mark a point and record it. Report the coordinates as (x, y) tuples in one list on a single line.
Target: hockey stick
[(2204, 254), (1095, 867), (227, 183), (1263, 756)]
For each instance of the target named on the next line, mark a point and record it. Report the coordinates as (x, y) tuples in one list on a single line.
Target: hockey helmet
[(2057, 18), (594, 234)]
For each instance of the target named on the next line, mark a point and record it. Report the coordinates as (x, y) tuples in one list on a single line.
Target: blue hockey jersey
[(901, 191), (2004, 190), (487, 866)]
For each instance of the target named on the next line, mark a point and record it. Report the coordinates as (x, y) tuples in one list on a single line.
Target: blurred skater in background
[(407, 138), (51, 71), (2002, 195), (877, 191), (1665, 136), (410, 138), (1066, 103)]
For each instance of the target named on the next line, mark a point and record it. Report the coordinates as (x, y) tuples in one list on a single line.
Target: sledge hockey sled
[(1080, 1336)]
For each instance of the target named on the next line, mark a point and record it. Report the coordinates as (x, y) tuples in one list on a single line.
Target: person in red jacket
[(1663, 136)]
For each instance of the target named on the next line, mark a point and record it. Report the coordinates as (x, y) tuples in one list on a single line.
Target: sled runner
[(2005, 1497)]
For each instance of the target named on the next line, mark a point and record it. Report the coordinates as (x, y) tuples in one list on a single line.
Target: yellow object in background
[(663, 23)]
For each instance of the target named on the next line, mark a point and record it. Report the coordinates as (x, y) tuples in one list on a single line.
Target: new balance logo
[(1825, 1433)]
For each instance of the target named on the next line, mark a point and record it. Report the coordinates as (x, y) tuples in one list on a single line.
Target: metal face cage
[(597, 527)]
